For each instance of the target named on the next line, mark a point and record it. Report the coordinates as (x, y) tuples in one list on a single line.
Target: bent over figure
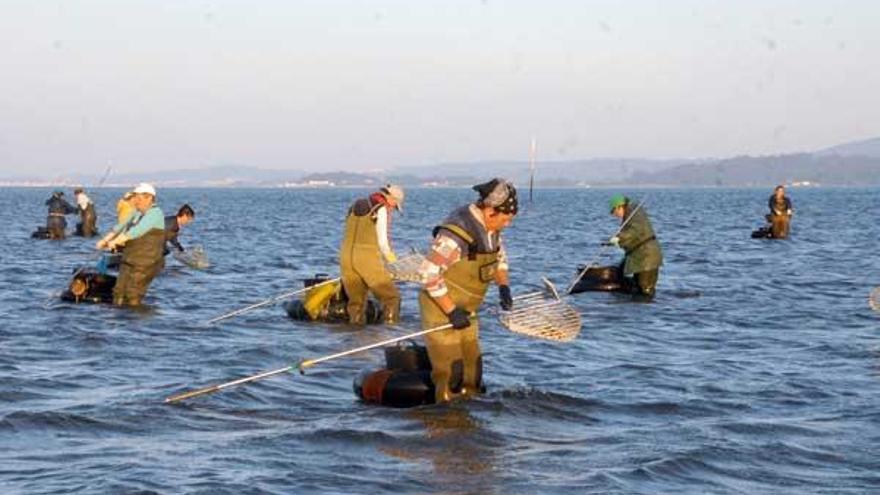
[(643, 256), (365, 250)]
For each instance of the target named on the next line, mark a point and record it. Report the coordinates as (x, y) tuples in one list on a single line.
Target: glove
[(506, 300), (459, 318), (180, 249), (391, 258), (614, 241)]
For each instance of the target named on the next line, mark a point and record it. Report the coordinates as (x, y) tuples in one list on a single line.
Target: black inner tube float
[(89, 286), (405, 381), (600, 279)]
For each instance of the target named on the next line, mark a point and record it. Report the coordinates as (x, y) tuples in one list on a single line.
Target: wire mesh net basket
[(194, 257), (406, 268), (543, 315)]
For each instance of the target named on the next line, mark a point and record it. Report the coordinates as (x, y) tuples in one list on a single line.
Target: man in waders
[(466, 255), (56, 223), (88, 219), (143, 234), (780, 213), (365, 250), (173, 224), (637, 239)]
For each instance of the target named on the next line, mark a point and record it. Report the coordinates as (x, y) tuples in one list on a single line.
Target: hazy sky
[(373, 84)]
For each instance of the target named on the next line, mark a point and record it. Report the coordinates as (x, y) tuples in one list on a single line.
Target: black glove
[(459, 318), (180, 249), (505, 297)]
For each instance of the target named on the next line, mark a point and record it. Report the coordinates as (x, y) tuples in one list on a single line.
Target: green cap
[(617, 200)]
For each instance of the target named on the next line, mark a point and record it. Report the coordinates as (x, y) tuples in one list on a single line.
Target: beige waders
[(363, 270), (456, 360)]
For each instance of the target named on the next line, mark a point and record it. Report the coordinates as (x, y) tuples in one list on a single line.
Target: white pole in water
[(532, 151)]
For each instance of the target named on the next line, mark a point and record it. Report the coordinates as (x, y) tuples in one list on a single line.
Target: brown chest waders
[(142, 260), (456, 360), (363, 271)]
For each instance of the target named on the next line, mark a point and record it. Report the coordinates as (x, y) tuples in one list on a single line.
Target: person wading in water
[(173, 224), (56, 223), (88, 219), (643, 256), (365, 250), (780, 213), (466, 255), (143, 235)]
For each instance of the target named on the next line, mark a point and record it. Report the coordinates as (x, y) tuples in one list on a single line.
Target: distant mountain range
[(855, 163)]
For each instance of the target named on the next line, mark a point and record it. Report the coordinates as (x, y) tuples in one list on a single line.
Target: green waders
[(456, 360), (141, 261), (643, 255), (363, 270)]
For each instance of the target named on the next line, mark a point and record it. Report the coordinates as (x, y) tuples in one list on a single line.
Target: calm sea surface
[(756, 369)]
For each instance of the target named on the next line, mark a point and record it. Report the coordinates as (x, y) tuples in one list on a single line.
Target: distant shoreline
[(11, 185)]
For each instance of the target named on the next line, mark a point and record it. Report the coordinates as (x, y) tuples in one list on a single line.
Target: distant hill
[(768, 171), (572, 172), (867, 147), (855, 163)]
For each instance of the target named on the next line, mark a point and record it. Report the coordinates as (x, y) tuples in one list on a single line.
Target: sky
[(370, 85)]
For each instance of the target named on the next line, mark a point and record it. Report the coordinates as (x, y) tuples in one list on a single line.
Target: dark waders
[(142, 261)]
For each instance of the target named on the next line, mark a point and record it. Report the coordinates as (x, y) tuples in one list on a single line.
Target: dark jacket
[(55, 220), (779, 208), (172, 229), (59, 206), (638, 241)]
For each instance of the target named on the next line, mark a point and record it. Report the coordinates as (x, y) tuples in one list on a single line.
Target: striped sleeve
[(443, 253)]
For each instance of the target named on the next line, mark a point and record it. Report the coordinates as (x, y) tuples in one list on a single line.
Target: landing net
[(543, 315), (406, 268), (194, 257)]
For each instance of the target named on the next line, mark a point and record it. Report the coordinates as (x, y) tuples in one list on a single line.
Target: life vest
[(360, 240), (468, 279)]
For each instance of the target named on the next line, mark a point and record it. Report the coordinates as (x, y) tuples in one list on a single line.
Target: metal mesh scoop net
[(406, 268), (874, 299), (195, 257), (543, 315)]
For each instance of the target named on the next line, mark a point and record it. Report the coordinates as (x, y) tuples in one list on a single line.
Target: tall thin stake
[(532, 152)]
